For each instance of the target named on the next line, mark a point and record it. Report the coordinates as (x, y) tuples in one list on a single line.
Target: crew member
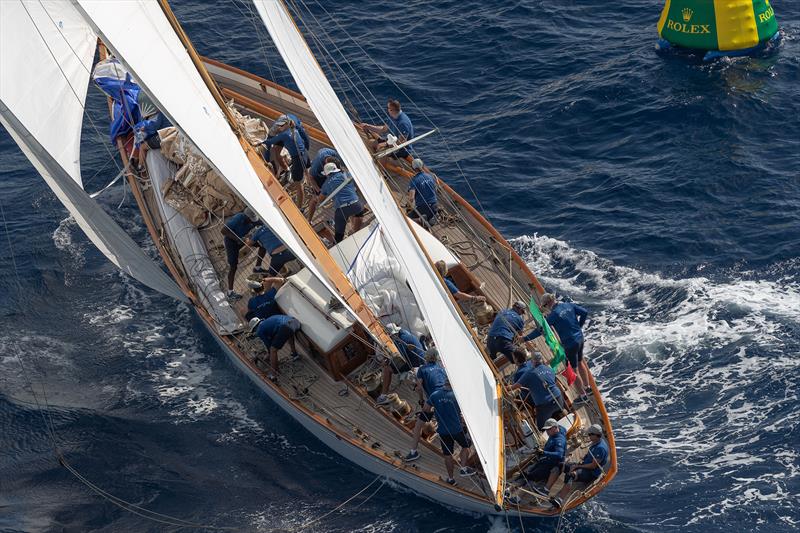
[(288, 136), (346, 202), (567, 319), (506, 327), (410, 349), (430, 378), (268, 243), (580, 476), (441, 266), (274, 332), (544, 472), (324, 155), (448, 417), (520, 356), (399, 127), (539, 389), (234, 231), (422, 192), (262, 304)]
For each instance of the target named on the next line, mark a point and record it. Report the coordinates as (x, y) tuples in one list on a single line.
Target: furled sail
[(474, 384), (142, 38), (46, 53)]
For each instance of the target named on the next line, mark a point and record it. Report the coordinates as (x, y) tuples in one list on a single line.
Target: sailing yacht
[(344, 294)]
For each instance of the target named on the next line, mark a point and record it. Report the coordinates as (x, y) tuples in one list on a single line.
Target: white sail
[(142, 38), (473, 382), (46, 53)]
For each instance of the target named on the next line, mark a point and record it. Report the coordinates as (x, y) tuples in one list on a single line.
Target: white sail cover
[(141, 37), (46, 53), (473, 382)]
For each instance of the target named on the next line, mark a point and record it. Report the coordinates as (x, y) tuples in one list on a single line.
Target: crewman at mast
[(324, 155), (234, 231), (287, 134), (268, 243), (539, 390), (410, 349), (579, 476), (506, 327), (422, 192), (397, 130), (430, 378), (346, 202), (262, 304), (567, 319)]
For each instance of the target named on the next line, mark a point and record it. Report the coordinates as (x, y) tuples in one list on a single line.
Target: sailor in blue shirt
[(269, 243), (274, 332), (287, 134), (544, 472), (430, 378), (234, 231), (580, 476), (520, 356), (410, 349), (346, 202), (539, 389), (298, 124), (448, 416), (441, 266), (325, 155), (422, 191), (506, 327), (399, 127), (567, 319), (262, 304)]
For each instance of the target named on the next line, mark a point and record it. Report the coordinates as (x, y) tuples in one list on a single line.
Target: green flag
[(549, 337)]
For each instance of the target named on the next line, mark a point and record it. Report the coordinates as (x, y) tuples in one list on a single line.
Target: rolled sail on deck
[(719, 25)]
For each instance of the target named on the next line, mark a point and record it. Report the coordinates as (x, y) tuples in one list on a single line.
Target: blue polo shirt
[(267, 328), (447, 412), (432, 377), (424, 186), (521, 370), (599, 452), (293, 143), (451, 286), (506, 324), (346, 196), (401, 126), (267, 239), (541, 384), (240, 225), (298, 125), (413, 353), (567, 319), (319, 161), (556, 446), (262, 305)]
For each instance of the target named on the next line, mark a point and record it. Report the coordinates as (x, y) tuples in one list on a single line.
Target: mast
[(283, 200)]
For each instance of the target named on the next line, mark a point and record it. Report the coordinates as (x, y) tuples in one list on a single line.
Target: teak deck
[(343, 406)]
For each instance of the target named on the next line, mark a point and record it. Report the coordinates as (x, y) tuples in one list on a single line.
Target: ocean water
[(664, 196)]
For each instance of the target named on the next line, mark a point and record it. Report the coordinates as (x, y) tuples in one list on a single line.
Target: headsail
[(46, 53), (473, 382), (143, 39)]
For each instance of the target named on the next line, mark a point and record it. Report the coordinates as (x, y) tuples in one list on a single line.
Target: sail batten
[(474, 383), (46, 52)]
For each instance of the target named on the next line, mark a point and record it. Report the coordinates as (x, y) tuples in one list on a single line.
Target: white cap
[(329, 168), (417, 164), (253, 323), (391, 140), (550, 423), (595, 429), (254, 285), (392, 328), (251, 214)]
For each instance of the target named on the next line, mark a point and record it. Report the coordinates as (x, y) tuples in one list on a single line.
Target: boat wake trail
[(701, 379)]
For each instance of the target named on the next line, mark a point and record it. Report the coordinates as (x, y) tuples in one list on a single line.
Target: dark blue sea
[(662, 195)]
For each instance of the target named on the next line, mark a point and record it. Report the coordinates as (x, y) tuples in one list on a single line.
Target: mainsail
[(474, 384), (46, 53), (142, 38)]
